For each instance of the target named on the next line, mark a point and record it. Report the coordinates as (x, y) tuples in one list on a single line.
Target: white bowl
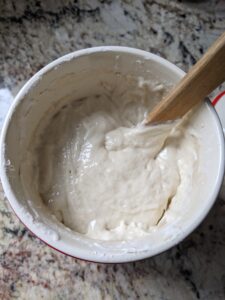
[(74, 76)]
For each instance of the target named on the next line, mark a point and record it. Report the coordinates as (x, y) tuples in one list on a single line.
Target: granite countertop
[(33, 33)]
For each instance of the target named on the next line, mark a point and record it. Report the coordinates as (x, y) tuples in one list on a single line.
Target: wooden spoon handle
[(202, 79)]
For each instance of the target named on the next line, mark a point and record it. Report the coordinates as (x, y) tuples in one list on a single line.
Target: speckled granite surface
[(33, 33)]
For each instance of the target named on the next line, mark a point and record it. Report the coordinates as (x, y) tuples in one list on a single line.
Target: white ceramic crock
[(74, 76)]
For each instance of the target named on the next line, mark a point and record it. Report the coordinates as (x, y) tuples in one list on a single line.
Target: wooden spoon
[(201, 80)]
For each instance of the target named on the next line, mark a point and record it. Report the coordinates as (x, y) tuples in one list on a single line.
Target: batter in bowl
[(105, 175)]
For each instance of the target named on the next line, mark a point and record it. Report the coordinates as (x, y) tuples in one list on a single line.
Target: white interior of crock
[(71, 78)]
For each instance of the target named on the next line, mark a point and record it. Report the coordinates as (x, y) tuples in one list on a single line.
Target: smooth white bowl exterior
[(74, 76)]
